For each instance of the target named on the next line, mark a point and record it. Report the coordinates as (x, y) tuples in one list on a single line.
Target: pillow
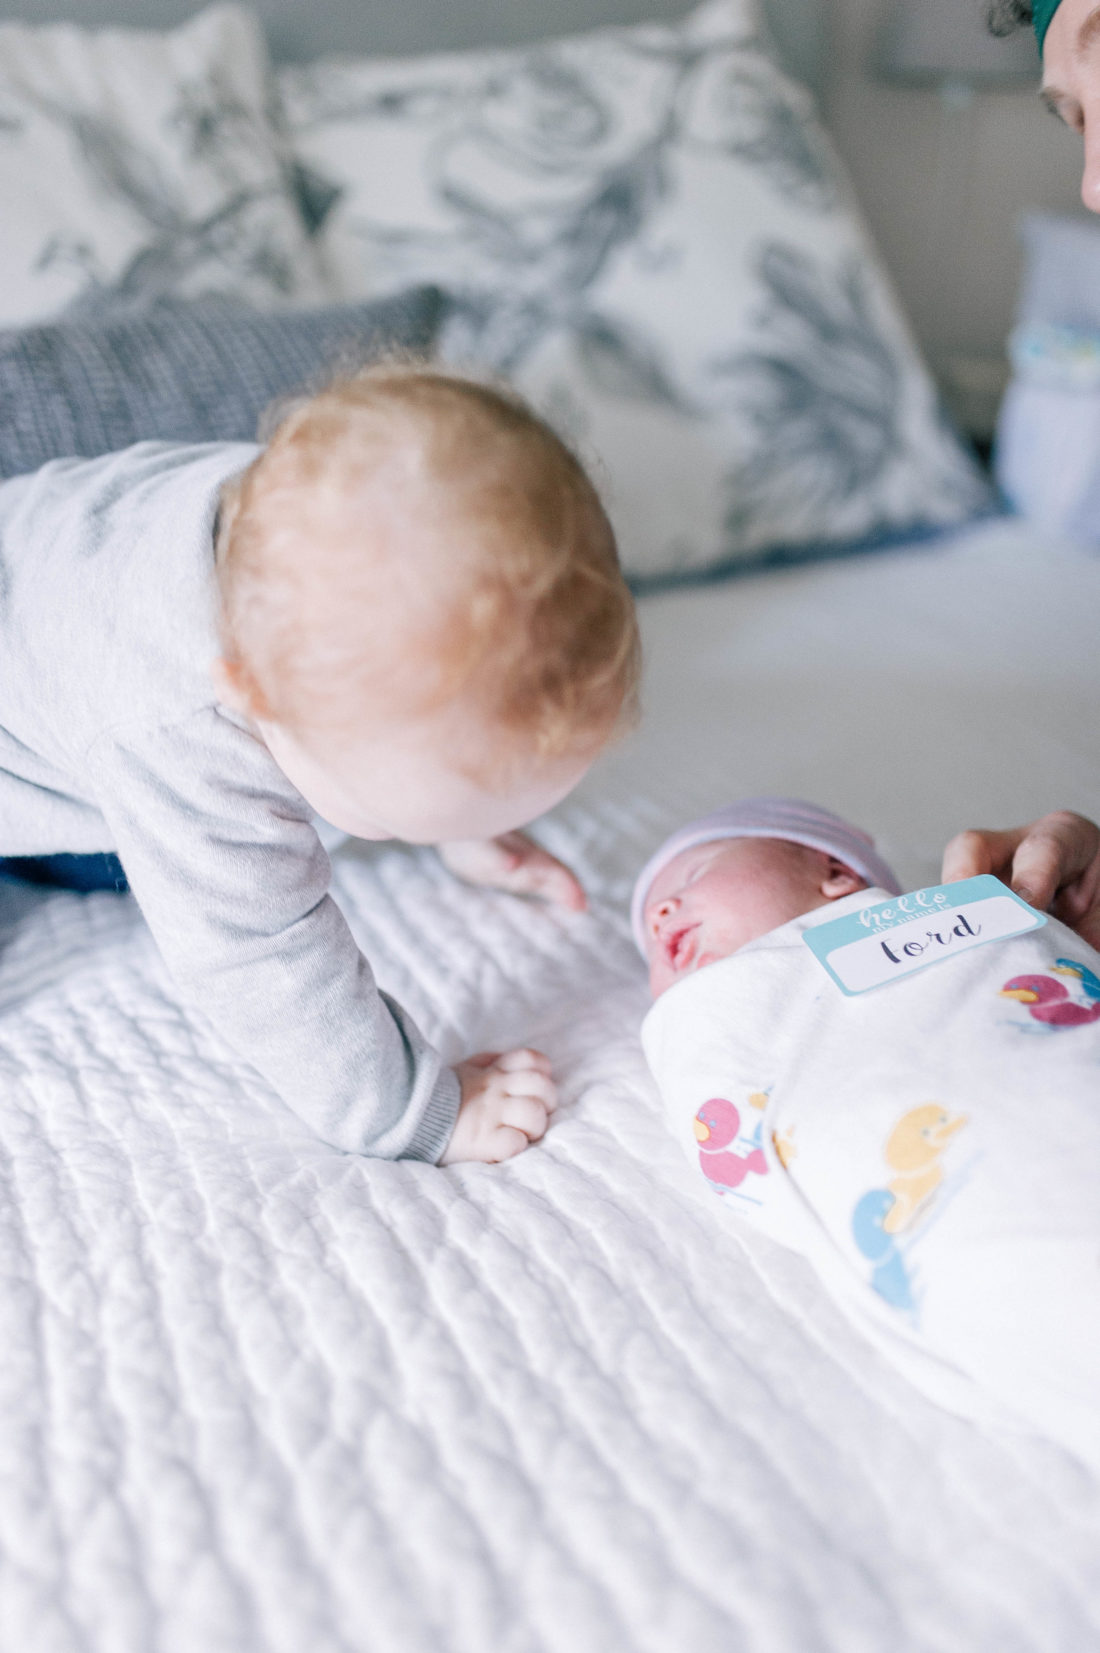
[(647, 230), (180, 371), (134, 164)]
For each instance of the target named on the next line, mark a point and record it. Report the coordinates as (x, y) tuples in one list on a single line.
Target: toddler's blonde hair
[(323, 618)]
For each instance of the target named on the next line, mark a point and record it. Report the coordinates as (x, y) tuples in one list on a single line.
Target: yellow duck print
[(783, 1143), (786, 1148), (913, 1150)]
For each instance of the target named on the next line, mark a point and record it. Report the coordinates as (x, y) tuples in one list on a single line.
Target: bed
[(260, 1395), (263, 1397)]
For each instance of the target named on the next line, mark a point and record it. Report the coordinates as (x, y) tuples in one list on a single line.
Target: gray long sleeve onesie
[(111, 738)]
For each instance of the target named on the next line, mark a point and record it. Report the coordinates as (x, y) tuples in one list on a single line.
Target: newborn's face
[(715, 898)]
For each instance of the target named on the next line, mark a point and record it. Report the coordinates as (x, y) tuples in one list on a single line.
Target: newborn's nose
[(664, 910)]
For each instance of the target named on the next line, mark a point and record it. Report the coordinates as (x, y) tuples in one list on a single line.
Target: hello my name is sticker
[(894, 938)]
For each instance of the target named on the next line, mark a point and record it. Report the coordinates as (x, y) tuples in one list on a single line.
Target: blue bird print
[(1090, 982)]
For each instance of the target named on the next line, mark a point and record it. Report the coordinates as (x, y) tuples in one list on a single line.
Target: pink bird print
[(716, 1126), (1049, 1002)]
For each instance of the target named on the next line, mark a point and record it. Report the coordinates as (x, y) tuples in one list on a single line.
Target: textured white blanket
[(259, 1396)]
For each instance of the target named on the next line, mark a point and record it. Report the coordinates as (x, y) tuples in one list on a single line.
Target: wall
[(942, 188)]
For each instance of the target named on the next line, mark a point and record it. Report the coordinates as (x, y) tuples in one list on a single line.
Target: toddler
[(405, 615), (932, 1145)]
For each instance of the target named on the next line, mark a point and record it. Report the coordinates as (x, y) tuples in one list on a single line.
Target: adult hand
[(1053, 864), (515, 863)]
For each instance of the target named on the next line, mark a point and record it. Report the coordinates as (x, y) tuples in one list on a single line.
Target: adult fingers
[(526, 1115), (1078, 903), (969, 854), (512, 1061), (1053, 863), (1088, 926), (1055, 852), (1051, 854)]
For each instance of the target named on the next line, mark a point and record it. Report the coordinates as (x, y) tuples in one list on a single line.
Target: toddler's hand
[(513, 862), (505, 1103)]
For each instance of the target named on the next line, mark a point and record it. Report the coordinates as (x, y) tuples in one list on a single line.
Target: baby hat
[(790, 818)]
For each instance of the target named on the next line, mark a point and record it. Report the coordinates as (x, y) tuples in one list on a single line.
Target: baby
[(932, 1145), (405, 615)]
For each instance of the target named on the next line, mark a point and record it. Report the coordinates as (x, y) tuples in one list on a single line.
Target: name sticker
[(894, 938)]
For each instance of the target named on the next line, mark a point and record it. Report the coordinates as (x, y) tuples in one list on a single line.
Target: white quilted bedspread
[(260, 1396)]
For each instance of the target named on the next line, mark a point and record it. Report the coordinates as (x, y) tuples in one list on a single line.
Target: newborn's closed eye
[(694, 873)]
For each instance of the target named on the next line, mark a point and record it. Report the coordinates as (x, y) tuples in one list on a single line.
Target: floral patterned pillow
[(135, 164), (648, 231)]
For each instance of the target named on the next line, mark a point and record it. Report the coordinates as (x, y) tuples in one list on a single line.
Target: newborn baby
[(931, 1145)]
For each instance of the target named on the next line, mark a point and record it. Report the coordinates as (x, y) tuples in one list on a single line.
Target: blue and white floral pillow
[(135, 164), (648, 231)]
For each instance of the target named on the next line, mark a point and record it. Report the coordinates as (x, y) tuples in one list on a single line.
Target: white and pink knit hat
[(790, 818)]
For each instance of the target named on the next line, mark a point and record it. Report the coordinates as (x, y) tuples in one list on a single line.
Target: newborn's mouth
[(681, 947)]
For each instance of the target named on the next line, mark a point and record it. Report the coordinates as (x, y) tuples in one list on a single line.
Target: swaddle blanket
[(932, 1146)]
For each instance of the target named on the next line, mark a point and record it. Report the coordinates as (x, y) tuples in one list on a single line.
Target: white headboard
[(301, 29)]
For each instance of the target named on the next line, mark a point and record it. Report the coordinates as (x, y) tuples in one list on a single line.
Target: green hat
[(1041, 13)]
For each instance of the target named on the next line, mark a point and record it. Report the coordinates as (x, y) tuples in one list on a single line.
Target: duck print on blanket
[(1051, 1004), (728, 1153), (914, 1153)]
